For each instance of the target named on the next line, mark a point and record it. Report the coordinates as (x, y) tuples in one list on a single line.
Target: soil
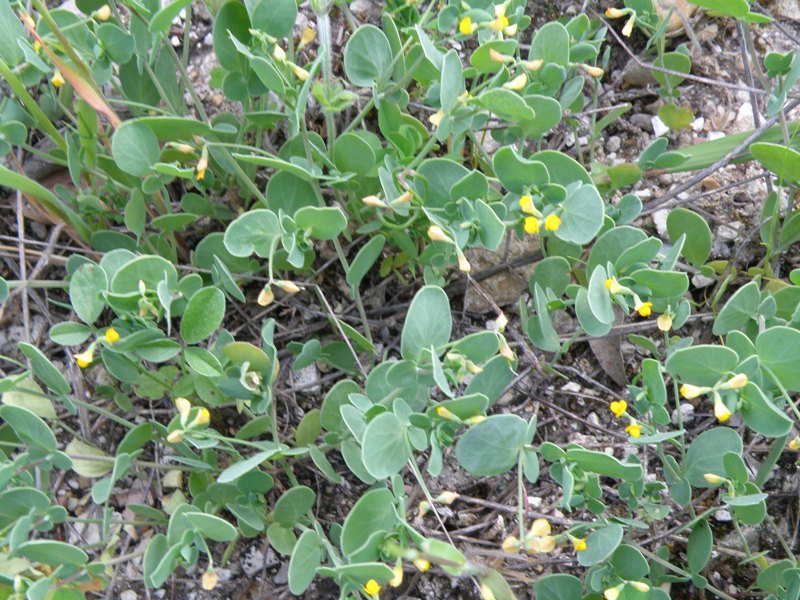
[(571, 407)]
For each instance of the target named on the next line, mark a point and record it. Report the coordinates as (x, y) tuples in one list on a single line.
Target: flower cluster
[(533, 223), (721, 410), (85, 358), (619, 408), (500, 23), (201, 418), (645, 309)]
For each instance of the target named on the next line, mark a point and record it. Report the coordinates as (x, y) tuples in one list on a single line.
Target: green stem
[(668, 565)]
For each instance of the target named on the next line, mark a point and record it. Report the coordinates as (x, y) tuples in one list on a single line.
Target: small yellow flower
[(645, 309), (202, 165), (476, 419), (721, 411), (466, 26), (496, 56), (540, 527), (422, 564), (628, 29), (307, 36), (506, 351), (690, 391), (446, 414), (615, 13), (279, 54), (58, 79), (618, 407), (593, 71), (579, 544), (103, 13), (436, 118), (552, 223), (463, 264), (438, 235), (175, 437), (542, 545), (210, 579), (639, 586), (510, 30), (501, 321), (183, 406), (612, 593), (795, 443), (290, 287), (300, 72), (736, 382), (447, 497), (397, 579), (526, 204), (634, 429), (613, 286), (37, 46), (531, 225), (713, 479), (372, 588), (203, 418), (664, 322), (518, 83), (111, 335), (85, 358), (422, 508), (533, 65), (487, 593), (500, 21), (266, 296), (511, 545), (403, 198)]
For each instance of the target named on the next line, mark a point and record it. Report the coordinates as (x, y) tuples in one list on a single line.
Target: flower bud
[(511, 545), (518, 83), (183, 406), (438, 235), (496, 56), (690, 391), (664, 322), (463, 264), (628, 29), (736, 382), (279, 54), (533, 65), (639, 586), (486, 592), (300, 72), (593, 71), (397, 579), (103, 13), (210, 579), (422, 564), (111, 335), (713, 479), (447, 497), (436, 118), (290, 287), (175, 437), (720, 410), (615, 13), (266, 296), (308, 35)]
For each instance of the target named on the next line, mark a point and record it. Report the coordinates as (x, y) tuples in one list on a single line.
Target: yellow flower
[(615, 13), (446, 414), (422, 564), (422, 508), (436, 118), (463, 264), (613, 286), (307, 36), (476, 419), (645, 309), (58, 79), (634, 429), (403, 198), (438, 235), (183, 406), (501, 21), (628, 29), (203, 417), (795, 443), (279, 54), (579, 544), (526, 204), (37, 46), (618, 407), (612, 593), (111, 335), (639, 586), (593, 71), (506, 351), (664, 322), (498, 57), (103, 13), (397, 579), (175, 437), (466, 27), (538, 540), (202, 165), (720, 410), (510, 30), (736, 382), (533, 65), (518, 83), (85, 358), (690, 391), (372, 587), (511, 545), (210, 579), (447, 497), (266, 296), (290, 287), (300, 72), (486, 592), (713, 479), (552, 223), (531, 225)]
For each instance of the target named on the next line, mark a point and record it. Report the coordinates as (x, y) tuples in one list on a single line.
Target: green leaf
[(86, 467), (211, 526), (586, 317), (706, 454), (557, 587), (600, 544), (729, 8), (491, 230), (581, 215), (551, 44), (236, 470), (135, 148), (245, 352), (29, 428), (202, 362), (676, 117), (69, 333), (162, 20), (599, 297), (203, 315), (45, 370), (373, 512), (330, 417), (629, 563), (294, 504), (772, 347), (662, 284), (739, 310), (761, 415), (603, 464), (27, 394), (697, 248), (367, 56), (52, 552), (254, 231), (366, 257), (699, 546), (322, 223), (306, 557), (702, 365), (507, 105), (274, 17), (782, 160), (352, 154), (231, 21), (85, 288), (385, 448), (517, 173), (452, 82), (492, 446), (428, 323)]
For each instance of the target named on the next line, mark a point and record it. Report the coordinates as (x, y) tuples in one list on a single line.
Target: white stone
[(571, 386), (723, 516), (715, 135), (660, 221), (659, 127), (534, 502), (698, 124), (307, 378), (700, 281), (687, 413), (744, 118), (128, 595), (208, 40), (729, 232)]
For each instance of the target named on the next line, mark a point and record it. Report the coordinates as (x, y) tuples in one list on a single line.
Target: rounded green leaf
[(761, 415), (603, 464), (135, 148), (367, 56), (385, 448), (492, 446), (306, 557), (27, 394), (231, 21), (699, 546), (203, 315), (428, 322), (707, 452), (581, 215), (254, 231), (87, 467), (599, 297), (211, 526), (701, 365), (373, 512), (774, 348), (782, 160), (557, 587), (366, 257), (352, 154), (28, 427), (52, 552), (44, 369), (551, 44), (600, 544), (698, 235), (273, 17), (739, 310), (85, 288), (294, 504)]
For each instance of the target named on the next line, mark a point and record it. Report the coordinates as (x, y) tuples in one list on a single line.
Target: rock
[(729, 232), (254, 561), (507, 286), (744, 118), (723, 516), (659, 127), (787, 9), (642, 122), (687, 413), (613, 143), (715, 135), (700, 281), (698, 124), (307, 379), (660, 222), (635, 75), (128, 595)]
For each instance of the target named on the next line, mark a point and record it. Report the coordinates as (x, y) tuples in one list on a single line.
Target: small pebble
[(659, 127), (723, 516)]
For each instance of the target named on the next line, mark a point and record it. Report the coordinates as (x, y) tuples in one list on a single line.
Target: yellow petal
[(531, 225), (552, 223), (540, 527), (111, 335), (372, 587), (210, 579)]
